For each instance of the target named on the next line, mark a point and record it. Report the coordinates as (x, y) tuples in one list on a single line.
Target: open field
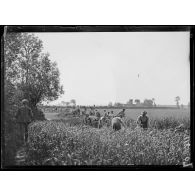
[(51, 115), (58, 142), (134, 113), (154, 113)]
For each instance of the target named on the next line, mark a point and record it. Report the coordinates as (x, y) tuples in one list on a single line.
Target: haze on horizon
[(102, 67)]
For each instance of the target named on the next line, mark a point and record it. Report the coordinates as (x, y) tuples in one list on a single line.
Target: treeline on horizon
[(149, 103)]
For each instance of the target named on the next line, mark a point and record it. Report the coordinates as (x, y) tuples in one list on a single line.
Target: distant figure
[(121, 114), (143, 120), (24, 117), (84, 111), (103, 119), (91, 112), (78, 111), (105, 114), (97, 114), (112, 114), (116, 123)]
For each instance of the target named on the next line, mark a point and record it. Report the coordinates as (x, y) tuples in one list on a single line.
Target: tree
[(110, 104), (30, 70), (153, 100), (63, 103), (130, 102), (73, 101), (67, 104), (137, 102), (118, 104), (177, 99), (148, 103)]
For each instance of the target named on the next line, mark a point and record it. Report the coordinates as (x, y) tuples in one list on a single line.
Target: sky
[(102, 67)]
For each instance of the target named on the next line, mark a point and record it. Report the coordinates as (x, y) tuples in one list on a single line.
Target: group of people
[(116, 120), (24, 117)]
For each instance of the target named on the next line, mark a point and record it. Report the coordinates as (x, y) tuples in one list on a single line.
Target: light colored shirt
[(117, 120)]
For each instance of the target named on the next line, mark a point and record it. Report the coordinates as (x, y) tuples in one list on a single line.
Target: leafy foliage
[(30, 70), (29, 74)]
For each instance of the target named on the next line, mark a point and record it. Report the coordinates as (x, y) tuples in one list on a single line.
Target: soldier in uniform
[(143, 120), (24, 117)]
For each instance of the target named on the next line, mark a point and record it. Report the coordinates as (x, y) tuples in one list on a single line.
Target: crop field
[(58, 142), (134, 113), (153, 113)]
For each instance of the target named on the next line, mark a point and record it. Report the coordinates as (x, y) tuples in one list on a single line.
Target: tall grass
[(58, 143)]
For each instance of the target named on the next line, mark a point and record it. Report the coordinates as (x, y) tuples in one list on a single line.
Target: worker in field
[(24, 117), (143, 120), (85, 115), (91, 112), (111, 114), (121, 114), (78, 111), (84, 111), (97, 113), (105, 114), (117, 123), (102, 119)]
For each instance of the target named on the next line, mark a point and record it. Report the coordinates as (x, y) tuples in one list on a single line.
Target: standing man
[(143, 120), (117, 122), (24, 117)]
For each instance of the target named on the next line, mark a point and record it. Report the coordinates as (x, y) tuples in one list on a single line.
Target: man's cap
[(144, 112)]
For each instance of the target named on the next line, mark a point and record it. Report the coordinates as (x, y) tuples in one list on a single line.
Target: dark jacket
[(24, 115), (143, 120)]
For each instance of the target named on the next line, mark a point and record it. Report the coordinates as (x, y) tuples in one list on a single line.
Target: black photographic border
[(101, 28)]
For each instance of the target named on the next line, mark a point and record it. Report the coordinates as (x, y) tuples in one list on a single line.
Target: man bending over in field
[(121, 114), (143, 120), (117, 122)]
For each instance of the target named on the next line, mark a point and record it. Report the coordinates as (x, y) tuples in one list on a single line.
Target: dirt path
[(20, 156)]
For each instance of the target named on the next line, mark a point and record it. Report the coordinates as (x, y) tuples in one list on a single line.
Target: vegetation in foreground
[(62, 143)]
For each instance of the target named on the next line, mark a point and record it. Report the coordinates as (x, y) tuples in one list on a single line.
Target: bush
[(13, 138), (38, 114)]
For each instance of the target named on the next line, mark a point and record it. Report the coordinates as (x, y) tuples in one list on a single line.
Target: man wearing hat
[(24, 117), (143, 120)]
